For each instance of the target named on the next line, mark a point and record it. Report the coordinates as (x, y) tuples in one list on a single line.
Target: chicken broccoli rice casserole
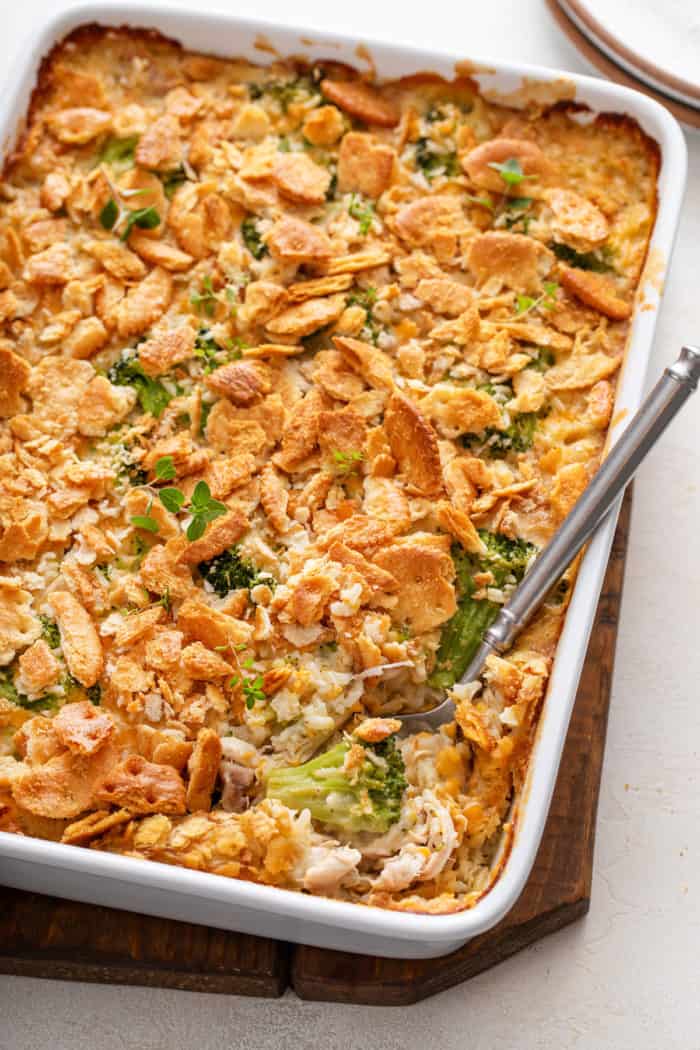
[(298, 373)]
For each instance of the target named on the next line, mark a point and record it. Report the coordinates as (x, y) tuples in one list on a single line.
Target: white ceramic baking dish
[(158, 889)]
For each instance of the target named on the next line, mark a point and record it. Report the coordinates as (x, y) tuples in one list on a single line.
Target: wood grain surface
[(42, 936)]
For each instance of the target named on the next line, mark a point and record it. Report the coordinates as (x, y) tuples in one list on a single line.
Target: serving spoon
[(642, 432)]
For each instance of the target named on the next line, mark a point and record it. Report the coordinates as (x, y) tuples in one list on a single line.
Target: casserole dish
[(194, 896)]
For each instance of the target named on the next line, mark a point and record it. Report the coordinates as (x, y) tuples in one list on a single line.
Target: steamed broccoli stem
[(366, 797), (461, 636)]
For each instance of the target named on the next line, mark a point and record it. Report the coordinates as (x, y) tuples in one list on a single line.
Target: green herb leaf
[(523, 304), (144, 521), (483, 202), (515, 213), (144, 218), (549, 297), (172, 499), (547, 300), (195, 529), (347, 461), (253, 690), (201, 495), (510, 171), (203, 509), (165, 468), (109, 214)]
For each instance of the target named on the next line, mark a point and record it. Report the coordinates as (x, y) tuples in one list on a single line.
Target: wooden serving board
[(45, 937)]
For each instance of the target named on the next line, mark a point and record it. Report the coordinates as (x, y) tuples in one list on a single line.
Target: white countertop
[(626, 977)]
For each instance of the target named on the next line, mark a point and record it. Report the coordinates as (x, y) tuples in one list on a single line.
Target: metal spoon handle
[(670, 393)]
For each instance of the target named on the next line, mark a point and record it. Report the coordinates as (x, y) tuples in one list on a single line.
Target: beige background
[(625, 978)]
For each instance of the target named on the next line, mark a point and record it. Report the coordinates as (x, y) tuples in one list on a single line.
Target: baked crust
[(345, 331)]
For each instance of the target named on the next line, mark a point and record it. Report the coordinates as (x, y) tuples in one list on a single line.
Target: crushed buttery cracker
[(297, 374)]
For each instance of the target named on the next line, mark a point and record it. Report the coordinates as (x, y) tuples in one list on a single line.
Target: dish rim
[(543, 765)]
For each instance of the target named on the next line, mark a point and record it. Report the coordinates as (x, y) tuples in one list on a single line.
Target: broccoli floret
[(127, 466), (9, 691), (332, 185), (598, 262), (206, 409), (517, 437), (433, 161), (94, 694), (542, 360), (364, 797), (505, 557), (461, 636), (285, 92), (207, 350), (229, 571), (50, 632), (153, 396), (367, 298), (211, 354), (253, 238)]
